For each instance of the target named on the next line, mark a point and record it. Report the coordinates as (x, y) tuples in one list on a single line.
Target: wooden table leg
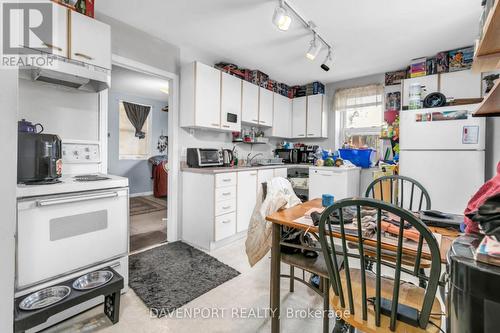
[(275, 278)]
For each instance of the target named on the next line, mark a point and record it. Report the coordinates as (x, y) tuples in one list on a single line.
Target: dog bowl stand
[(24, 320)]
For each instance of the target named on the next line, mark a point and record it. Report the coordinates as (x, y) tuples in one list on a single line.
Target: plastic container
[(358, 157)]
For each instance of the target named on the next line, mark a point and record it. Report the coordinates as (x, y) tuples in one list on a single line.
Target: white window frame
[(149, 135), (373, 130)]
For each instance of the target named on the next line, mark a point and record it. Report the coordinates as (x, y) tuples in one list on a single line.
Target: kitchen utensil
[(92, 280), (28, 127), (227, 156), (44, 298)]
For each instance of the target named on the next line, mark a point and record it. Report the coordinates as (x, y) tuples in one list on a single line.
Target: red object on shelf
[(160, 180), (90, 8)]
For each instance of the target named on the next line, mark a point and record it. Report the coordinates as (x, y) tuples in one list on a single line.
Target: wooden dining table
[(287, 217)]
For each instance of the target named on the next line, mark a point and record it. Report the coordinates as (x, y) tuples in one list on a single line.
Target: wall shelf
[(487, 55), (251, 143), (490, 107)]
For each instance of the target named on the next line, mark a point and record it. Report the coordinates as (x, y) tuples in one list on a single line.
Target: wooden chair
[(358, 294), (404, 192)]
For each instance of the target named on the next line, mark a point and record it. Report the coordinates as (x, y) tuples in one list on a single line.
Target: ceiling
[(368, 36), (138, 84)]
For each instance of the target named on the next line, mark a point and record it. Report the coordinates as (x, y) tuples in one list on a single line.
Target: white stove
[(73, 183)]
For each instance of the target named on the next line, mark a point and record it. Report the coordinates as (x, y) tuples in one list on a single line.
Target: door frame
[(173, 223)]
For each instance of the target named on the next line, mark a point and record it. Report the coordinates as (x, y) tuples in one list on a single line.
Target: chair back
[(404, 192), (329, 230)]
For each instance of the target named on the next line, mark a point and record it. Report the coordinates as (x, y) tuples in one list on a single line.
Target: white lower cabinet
[(246, 197), (340, 182), (217, 208)]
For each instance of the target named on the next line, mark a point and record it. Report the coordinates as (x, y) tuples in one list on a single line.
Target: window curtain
[(351, 98), (137, 114)]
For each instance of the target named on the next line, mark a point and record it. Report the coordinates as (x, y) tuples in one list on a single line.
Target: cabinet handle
[(216, 125), (226, 180), (226, 221), (312, 134), (226, 193), (300, 135), (53, 46), (255, 120), (262, 121), (253, 174), (81, 55), (225, 126), (226, 207), (114, 265)]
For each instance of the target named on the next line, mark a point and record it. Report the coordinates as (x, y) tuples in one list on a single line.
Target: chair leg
[(326, 305), (422, 282), (292, 280)]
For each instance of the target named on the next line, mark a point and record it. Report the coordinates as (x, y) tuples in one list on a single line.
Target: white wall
[(492, 146), (8, 139), (72, 114)]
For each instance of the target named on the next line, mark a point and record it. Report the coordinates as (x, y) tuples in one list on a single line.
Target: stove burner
[(89, 178), (43, 182)]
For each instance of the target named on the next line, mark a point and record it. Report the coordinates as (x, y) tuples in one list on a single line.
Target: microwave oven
[(289, 156), (204, 157)]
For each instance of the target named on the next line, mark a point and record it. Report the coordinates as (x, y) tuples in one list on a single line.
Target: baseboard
[(143, 194)]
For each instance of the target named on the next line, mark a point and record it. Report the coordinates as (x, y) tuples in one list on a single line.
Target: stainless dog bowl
[(92, 280), (44, 298)]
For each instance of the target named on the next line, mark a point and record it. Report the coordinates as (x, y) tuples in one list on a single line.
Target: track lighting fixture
[(281, 18), (314, 48), (328, 61)]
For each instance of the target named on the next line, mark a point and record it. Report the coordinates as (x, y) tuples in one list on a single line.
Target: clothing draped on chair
[(280, 194)]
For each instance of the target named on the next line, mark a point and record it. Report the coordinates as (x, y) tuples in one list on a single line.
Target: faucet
[(249, 160)]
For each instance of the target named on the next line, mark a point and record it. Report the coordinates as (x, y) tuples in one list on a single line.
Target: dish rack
[(269, 161)]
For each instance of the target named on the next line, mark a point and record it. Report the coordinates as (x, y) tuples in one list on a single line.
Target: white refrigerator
[(444, 149)]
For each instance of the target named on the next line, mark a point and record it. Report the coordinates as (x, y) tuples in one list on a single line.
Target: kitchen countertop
[(215, 170)]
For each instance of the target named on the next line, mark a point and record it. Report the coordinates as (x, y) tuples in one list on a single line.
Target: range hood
[(74, 75)]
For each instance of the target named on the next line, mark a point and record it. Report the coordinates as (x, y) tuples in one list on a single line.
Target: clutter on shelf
[(262, 80)]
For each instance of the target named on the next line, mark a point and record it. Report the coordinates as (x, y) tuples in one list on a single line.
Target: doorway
[(138, 135)]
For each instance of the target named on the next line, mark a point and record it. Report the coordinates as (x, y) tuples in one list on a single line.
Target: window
[(131, 147), (361, 115)]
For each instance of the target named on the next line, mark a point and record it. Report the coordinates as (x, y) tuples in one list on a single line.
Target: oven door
[(285, 154), (209, 157), (60, 234)]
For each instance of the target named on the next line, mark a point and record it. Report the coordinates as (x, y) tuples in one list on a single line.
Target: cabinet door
[(207, 96), (299, 117), (265, 176), (247, 198), (314, 116), (90, 40), (282, 118), (250, 103), (230, 102), (430, 82), (59, 43), (281, 172), (265, 107)]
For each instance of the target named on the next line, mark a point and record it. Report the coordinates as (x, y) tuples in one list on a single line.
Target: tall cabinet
[(309, 117)]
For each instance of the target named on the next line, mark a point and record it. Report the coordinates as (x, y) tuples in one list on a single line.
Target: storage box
[(259, 78), (358, 157), (460, 59), (315, 88), (230, 69), (418, 67), (393, 78)]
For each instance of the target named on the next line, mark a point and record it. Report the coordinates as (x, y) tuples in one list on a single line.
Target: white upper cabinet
[(250, 103), (265, 107), (316, 116), (200, 96), (282, 118), (230, 102), (90, 40), (59, 43), (299, 117)]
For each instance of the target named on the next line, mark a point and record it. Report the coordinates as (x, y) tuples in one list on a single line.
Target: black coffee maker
[(38, 158)]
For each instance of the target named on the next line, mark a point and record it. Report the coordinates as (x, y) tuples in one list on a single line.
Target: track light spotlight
[(313, 49), (328, 61), (281, 18)]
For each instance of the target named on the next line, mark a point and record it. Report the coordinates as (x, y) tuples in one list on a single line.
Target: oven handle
[(76, 198)]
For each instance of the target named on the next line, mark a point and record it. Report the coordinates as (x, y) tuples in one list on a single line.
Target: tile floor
[(247, 295)]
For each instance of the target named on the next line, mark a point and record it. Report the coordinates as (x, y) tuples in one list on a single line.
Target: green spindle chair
[(353, 289), (404, 192)]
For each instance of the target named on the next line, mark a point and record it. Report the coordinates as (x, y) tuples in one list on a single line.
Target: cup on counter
[(327, 200)]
